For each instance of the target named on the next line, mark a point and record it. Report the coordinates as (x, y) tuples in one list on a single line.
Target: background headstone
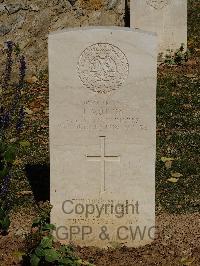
[(168, 18), (102, 135)]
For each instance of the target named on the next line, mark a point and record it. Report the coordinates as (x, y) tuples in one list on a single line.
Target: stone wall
[(28, 22)]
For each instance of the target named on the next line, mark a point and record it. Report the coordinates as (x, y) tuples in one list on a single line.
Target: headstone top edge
[(92, 28)]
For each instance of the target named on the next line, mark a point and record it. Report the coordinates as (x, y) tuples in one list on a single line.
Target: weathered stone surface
[(168, 18), (112, 4), (36, 18), (2, 8), (34, 8), (13, 8), (4, 30), (19, 22), (102, 134)]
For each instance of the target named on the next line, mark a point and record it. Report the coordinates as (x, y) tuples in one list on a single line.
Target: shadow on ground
[(39, 178)]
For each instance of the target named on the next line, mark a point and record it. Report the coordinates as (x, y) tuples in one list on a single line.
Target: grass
[(178, 138)]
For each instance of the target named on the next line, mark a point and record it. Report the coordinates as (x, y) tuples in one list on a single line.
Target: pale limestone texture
[(102, 135), (28, 24), (168, 18)]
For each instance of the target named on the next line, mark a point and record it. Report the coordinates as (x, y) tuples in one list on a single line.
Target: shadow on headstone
[(127, 15), (39, 179)]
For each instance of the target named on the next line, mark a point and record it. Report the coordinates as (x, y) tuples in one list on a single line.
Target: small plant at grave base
[(179, 57), (44, 251), (4, 221)]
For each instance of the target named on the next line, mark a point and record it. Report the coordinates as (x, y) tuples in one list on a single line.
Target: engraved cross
[(103, 158)]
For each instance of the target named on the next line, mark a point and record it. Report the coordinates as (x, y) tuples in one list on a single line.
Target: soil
[(177, 243)]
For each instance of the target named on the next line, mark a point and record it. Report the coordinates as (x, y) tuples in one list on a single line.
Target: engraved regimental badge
[(157, 4), (103, 67)]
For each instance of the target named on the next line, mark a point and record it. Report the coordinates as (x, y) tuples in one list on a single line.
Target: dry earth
[(178, 243)]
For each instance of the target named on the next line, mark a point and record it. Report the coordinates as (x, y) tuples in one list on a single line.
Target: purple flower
[(22, 71), (4, 120), (5, 186)]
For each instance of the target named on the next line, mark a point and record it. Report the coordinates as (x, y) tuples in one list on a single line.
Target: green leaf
[(65, 261), (46, 242), (34, 260), (80, 261), (4, 172), (2, 147), (5, 223), (2, 213), (39, 252), (18, 254), (62, 249), (24, 143), (69, 248), (49, 227), (68, 251), (36, 222), (10, 154), (51, 255)]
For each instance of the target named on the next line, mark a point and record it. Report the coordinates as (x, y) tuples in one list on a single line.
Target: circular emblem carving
[(103, 67), (157, 4)]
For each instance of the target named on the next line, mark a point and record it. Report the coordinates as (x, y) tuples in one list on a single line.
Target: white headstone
[(168, 18), (102, 135)]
